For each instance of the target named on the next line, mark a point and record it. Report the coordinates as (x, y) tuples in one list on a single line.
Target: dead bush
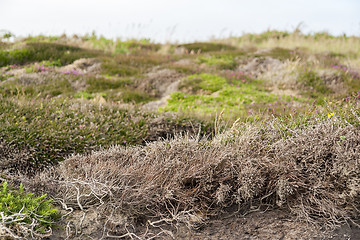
[(314, 173)]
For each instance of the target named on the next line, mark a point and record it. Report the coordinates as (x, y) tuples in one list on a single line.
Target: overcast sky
[(170, 20)]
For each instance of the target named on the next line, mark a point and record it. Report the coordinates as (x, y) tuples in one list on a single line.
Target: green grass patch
[(222, 62), (203, 82)]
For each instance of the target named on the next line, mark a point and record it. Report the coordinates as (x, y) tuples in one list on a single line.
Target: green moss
[(206, 82), (235, 100), (222, 62)]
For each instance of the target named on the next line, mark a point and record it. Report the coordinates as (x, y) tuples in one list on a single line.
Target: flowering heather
[(352, 73), (41, 68), (72, 72), (354, 97), (13, 66), (237, 76)]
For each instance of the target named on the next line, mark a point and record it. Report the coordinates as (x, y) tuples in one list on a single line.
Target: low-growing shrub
[(315, 86), (113, 68), (52, 130), (207, 47), (133, 96), (24, 215), (311, 172), (40, 51), (100, 84)]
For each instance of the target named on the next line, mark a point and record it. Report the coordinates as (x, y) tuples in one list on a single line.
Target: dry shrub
[(14, 160), (314, 173), (320, 173)]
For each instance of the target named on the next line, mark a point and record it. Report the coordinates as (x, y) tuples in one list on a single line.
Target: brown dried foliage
[(314, 173)]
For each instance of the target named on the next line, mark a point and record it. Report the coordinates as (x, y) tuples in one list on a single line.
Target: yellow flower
[(331, 114)]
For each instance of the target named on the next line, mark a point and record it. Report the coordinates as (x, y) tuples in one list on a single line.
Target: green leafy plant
[(26, 212)]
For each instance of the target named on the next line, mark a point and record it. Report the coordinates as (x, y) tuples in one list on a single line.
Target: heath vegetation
[(138, 140)]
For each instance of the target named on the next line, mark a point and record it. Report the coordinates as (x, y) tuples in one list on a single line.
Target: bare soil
[(275, 224), (257, 225)]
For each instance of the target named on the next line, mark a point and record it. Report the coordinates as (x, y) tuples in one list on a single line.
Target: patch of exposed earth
[(255, 67), (269, 225), (83, 66), (159, 83), (281, 77), (77, 68)]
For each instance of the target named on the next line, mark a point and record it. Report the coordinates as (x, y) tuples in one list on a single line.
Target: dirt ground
[(266, 225), (258, 225)]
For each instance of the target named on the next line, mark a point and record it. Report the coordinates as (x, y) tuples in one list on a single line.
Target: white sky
[(170, 20)]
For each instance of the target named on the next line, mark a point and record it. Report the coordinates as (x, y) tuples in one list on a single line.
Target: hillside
[(252, 137)]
